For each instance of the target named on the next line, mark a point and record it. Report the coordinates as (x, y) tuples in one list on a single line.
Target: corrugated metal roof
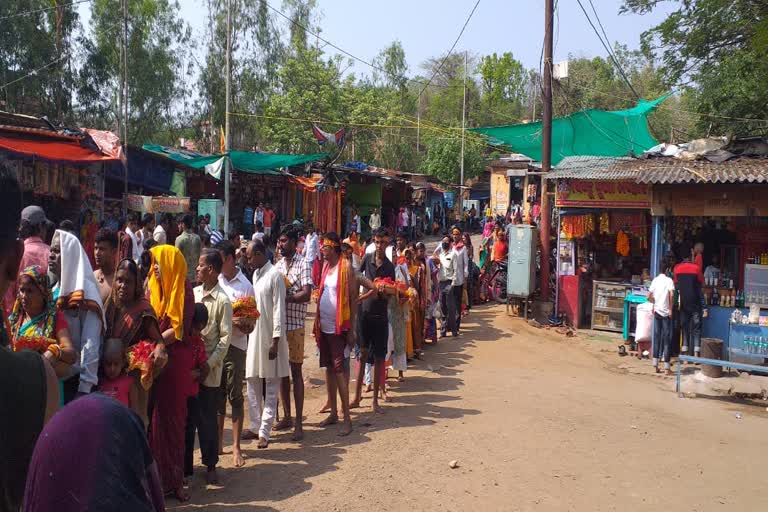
[(670, 170), (673, 170)]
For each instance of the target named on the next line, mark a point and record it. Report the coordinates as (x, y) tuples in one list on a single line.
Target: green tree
[(443, 158), (158, 44), (392, 61), (257, 54), (503, 84), (36, 57), (717, 49)]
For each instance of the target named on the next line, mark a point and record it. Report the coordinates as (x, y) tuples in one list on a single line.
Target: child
[(115, 382), (199, 370), (199, 356)]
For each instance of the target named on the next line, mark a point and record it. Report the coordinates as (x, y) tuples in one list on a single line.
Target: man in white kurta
[(267, 355)]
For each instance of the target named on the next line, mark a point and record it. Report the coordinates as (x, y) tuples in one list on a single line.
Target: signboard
[(448, 199), (500, 191), (602, 194), (709, 200), (150, 204)]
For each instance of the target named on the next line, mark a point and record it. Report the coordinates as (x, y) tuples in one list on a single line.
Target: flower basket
[(140, 358)]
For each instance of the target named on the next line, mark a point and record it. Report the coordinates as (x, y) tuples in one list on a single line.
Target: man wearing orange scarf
[(334, 332)]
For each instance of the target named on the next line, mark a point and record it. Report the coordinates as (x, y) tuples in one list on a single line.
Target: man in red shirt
[(36, 251), (688, 281), (269, 218)]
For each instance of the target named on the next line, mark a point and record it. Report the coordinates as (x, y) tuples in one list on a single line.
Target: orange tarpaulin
[(52, 149)]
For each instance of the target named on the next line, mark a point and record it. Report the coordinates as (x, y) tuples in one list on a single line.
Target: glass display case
[(566, 254), (608, 305)]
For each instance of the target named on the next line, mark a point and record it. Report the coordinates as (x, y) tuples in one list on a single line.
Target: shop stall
[(603, 251), (730, 220)]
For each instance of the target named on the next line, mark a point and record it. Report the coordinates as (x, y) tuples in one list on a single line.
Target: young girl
[(115, 382)]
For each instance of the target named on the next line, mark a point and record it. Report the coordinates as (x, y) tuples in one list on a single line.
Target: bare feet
[(667, 372), (181, 495), (326, 408), (284, 424), (249, 435), (298, 433), (263, 443), (211, 477), (355, 404), (377, 409), (368, 388), (330, 420), (346, 428), (237, 458), (400, 379)]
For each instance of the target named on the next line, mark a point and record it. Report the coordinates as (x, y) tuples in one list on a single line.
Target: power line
[(606, 46), (342, 50), (452, 47), (35, 11), (33, 72)]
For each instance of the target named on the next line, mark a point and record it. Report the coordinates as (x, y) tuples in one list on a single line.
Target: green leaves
[(716, 49)]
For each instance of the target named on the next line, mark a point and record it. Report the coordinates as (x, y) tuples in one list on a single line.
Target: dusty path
[(536, 421)]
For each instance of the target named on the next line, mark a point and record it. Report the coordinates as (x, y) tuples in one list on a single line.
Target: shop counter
[(717, 324)]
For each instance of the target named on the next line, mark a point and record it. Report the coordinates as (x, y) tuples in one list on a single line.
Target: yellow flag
[(222, 141)]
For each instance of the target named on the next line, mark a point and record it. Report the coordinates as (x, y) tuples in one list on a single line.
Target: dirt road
[(536, 421)]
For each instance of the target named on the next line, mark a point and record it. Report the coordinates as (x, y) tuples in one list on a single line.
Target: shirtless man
[(105, 252)]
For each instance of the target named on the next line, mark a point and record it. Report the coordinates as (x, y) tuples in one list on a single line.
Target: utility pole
[(227, 163), (418, 122), (463, 134), (124, 92), (546, 147)]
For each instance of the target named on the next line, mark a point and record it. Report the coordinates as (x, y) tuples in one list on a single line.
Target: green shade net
[(589, 132), (264, 163), (183, 157), (244, 161)]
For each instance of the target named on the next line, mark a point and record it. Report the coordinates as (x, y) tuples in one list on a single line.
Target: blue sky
[(427, 28)]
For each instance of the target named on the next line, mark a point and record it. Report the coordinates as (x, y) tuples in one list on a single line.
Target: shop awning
[(53, 149), (589, 132)]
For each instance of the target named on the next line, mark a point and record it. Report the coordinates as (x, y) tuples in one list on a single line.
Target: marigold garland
[(34, 343), (245, 307)]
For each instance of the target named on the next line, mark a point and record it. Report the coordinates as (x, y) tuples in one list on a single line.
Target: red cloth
[(698, 260), (118, 388)]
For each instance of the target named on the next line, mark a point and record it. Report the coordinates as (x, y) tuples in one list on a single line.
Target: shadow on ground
[(285, 468)]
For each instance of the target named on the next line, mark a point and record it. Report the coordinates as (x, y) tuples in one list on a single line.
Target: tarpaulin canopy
[(54, 149), (589, 132), (244, 161)]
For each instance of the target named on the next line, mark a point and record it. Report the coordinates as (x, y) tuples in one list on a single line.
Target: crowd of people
[(139, 345)]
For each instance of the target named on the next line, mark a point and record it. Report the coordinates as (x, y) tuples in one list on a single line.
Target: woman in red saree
[(173, 301)]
